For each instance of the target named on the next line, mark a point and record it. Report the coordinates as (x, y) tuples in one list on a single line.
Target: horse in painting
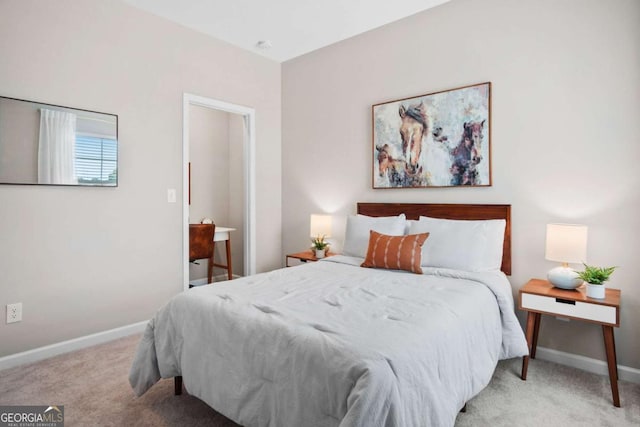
[(413, 128), (396, 170), (385, 158), (466, 155)]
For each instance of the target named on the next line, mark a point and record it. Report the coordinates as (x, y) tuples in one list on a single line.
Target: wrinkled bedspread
[(333, 344)]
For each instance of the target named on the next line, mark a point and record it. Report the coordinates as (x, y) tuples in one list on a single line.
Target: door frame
[(249, 166)]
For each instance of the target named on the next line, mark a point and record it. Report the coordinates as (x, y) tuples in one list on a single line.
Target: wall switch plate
[(14, 312), (171, 195)]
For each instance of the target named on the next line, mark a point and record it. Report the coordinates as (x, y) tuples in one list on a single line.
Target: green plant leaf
[(595, 275)]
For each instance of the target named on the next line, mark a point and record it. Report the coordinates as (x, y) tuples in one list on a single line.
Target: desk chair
[(201, 245)]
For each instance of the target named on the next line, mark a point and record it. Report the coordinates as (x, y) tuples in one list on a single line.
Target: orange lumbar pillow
[(395, 252)]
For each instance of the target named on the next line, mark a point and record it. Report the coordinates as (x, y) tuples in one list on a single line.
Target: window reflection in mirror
[(54, 145)]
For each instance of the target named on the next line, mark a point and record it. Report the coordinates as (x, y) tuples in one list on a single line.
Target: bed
[(334, 344)]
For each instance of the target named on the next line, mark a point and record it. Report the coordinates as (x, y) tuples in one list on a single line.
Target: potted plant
[(595, 278), (319, 246)]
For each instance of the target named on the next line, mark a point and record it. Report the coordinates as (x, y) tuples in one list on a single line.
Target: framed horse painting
[(441, 139)]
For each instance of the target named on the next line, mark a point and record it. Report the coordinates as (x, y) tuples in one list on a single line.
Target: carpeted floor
[(92, 385)]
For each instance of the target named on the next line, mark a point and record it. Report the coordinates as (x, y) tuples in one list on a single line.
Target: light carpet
[(92, 385)]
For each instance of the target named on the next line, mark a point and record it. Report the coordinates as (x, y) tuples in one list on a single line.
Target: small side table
[(306, 256), (539, 297)]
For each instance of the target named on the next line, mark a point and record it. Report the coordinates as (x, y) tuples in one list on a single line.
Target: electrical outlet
[(14, 312)]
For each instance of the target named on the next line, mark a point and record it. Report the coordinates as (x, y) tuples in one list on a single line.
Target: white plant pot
[(320, 253), (595, 291)]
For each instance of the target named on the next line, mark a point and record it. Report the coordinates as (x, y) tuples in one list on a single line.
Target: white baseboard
[(217, 278), (47, 351), (588, 364)]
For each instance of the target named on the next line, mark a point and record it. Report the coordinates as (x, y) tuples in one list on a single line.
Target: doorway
[(245, 116)]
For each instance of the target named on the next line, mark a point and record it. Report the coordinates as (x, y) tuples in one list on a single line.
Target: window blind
[(96, 160)]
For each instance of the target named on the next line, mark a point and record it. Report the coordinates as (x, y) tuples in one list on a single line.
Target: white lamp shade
[(320, 225), (566, 243)]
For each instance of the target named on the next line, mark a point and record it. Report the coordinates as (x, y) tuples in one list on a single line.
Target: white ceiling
[(294, 27)]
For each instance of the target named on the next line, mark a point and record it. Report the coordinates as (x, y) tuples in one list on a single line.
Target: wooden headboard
[(448, 211)]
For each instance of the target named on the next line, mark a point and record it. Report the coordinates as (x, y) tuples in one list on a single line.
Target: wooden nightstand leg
[(525, 366), (615, 355), (610, 346), (531, 320), (536, 329)]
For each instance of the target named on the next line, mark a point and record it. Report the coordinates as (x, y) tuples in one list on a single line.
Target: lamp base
[(564, 278)]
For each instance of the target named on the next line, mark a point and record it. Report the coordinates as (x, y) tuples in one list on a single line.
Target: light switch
[(171, 195)]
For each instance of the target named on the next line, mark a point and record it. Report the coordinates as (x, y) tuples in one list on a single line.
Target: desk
[(223, 234)]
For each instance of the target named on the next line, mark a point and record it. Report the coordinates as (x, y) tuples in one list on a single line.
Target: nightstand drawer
[(563, 307)]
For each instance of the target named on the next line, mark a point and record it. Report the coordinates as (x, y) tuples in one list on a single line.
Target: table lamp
[(320, 226), (566, 243)]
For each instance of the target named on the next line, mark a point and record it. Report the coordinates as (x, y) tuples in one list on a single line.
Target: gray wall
[(566, 79), (84, 260)]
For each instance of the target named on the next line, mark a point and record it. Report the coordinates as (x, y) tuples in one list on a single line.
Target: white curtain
[(56, 149)]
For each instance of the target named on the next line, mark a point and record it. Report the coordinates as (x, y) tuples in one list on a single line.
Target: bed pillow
[(407, 225), (395, 252), (460, 244), (356, 237)]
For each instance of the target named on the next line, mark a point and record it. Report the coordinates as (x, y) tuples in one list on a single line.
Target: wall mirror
[(53, 145)]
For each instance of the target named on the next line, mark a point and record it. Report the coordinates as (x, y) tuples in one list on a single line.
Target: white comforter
[(333, 344)]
